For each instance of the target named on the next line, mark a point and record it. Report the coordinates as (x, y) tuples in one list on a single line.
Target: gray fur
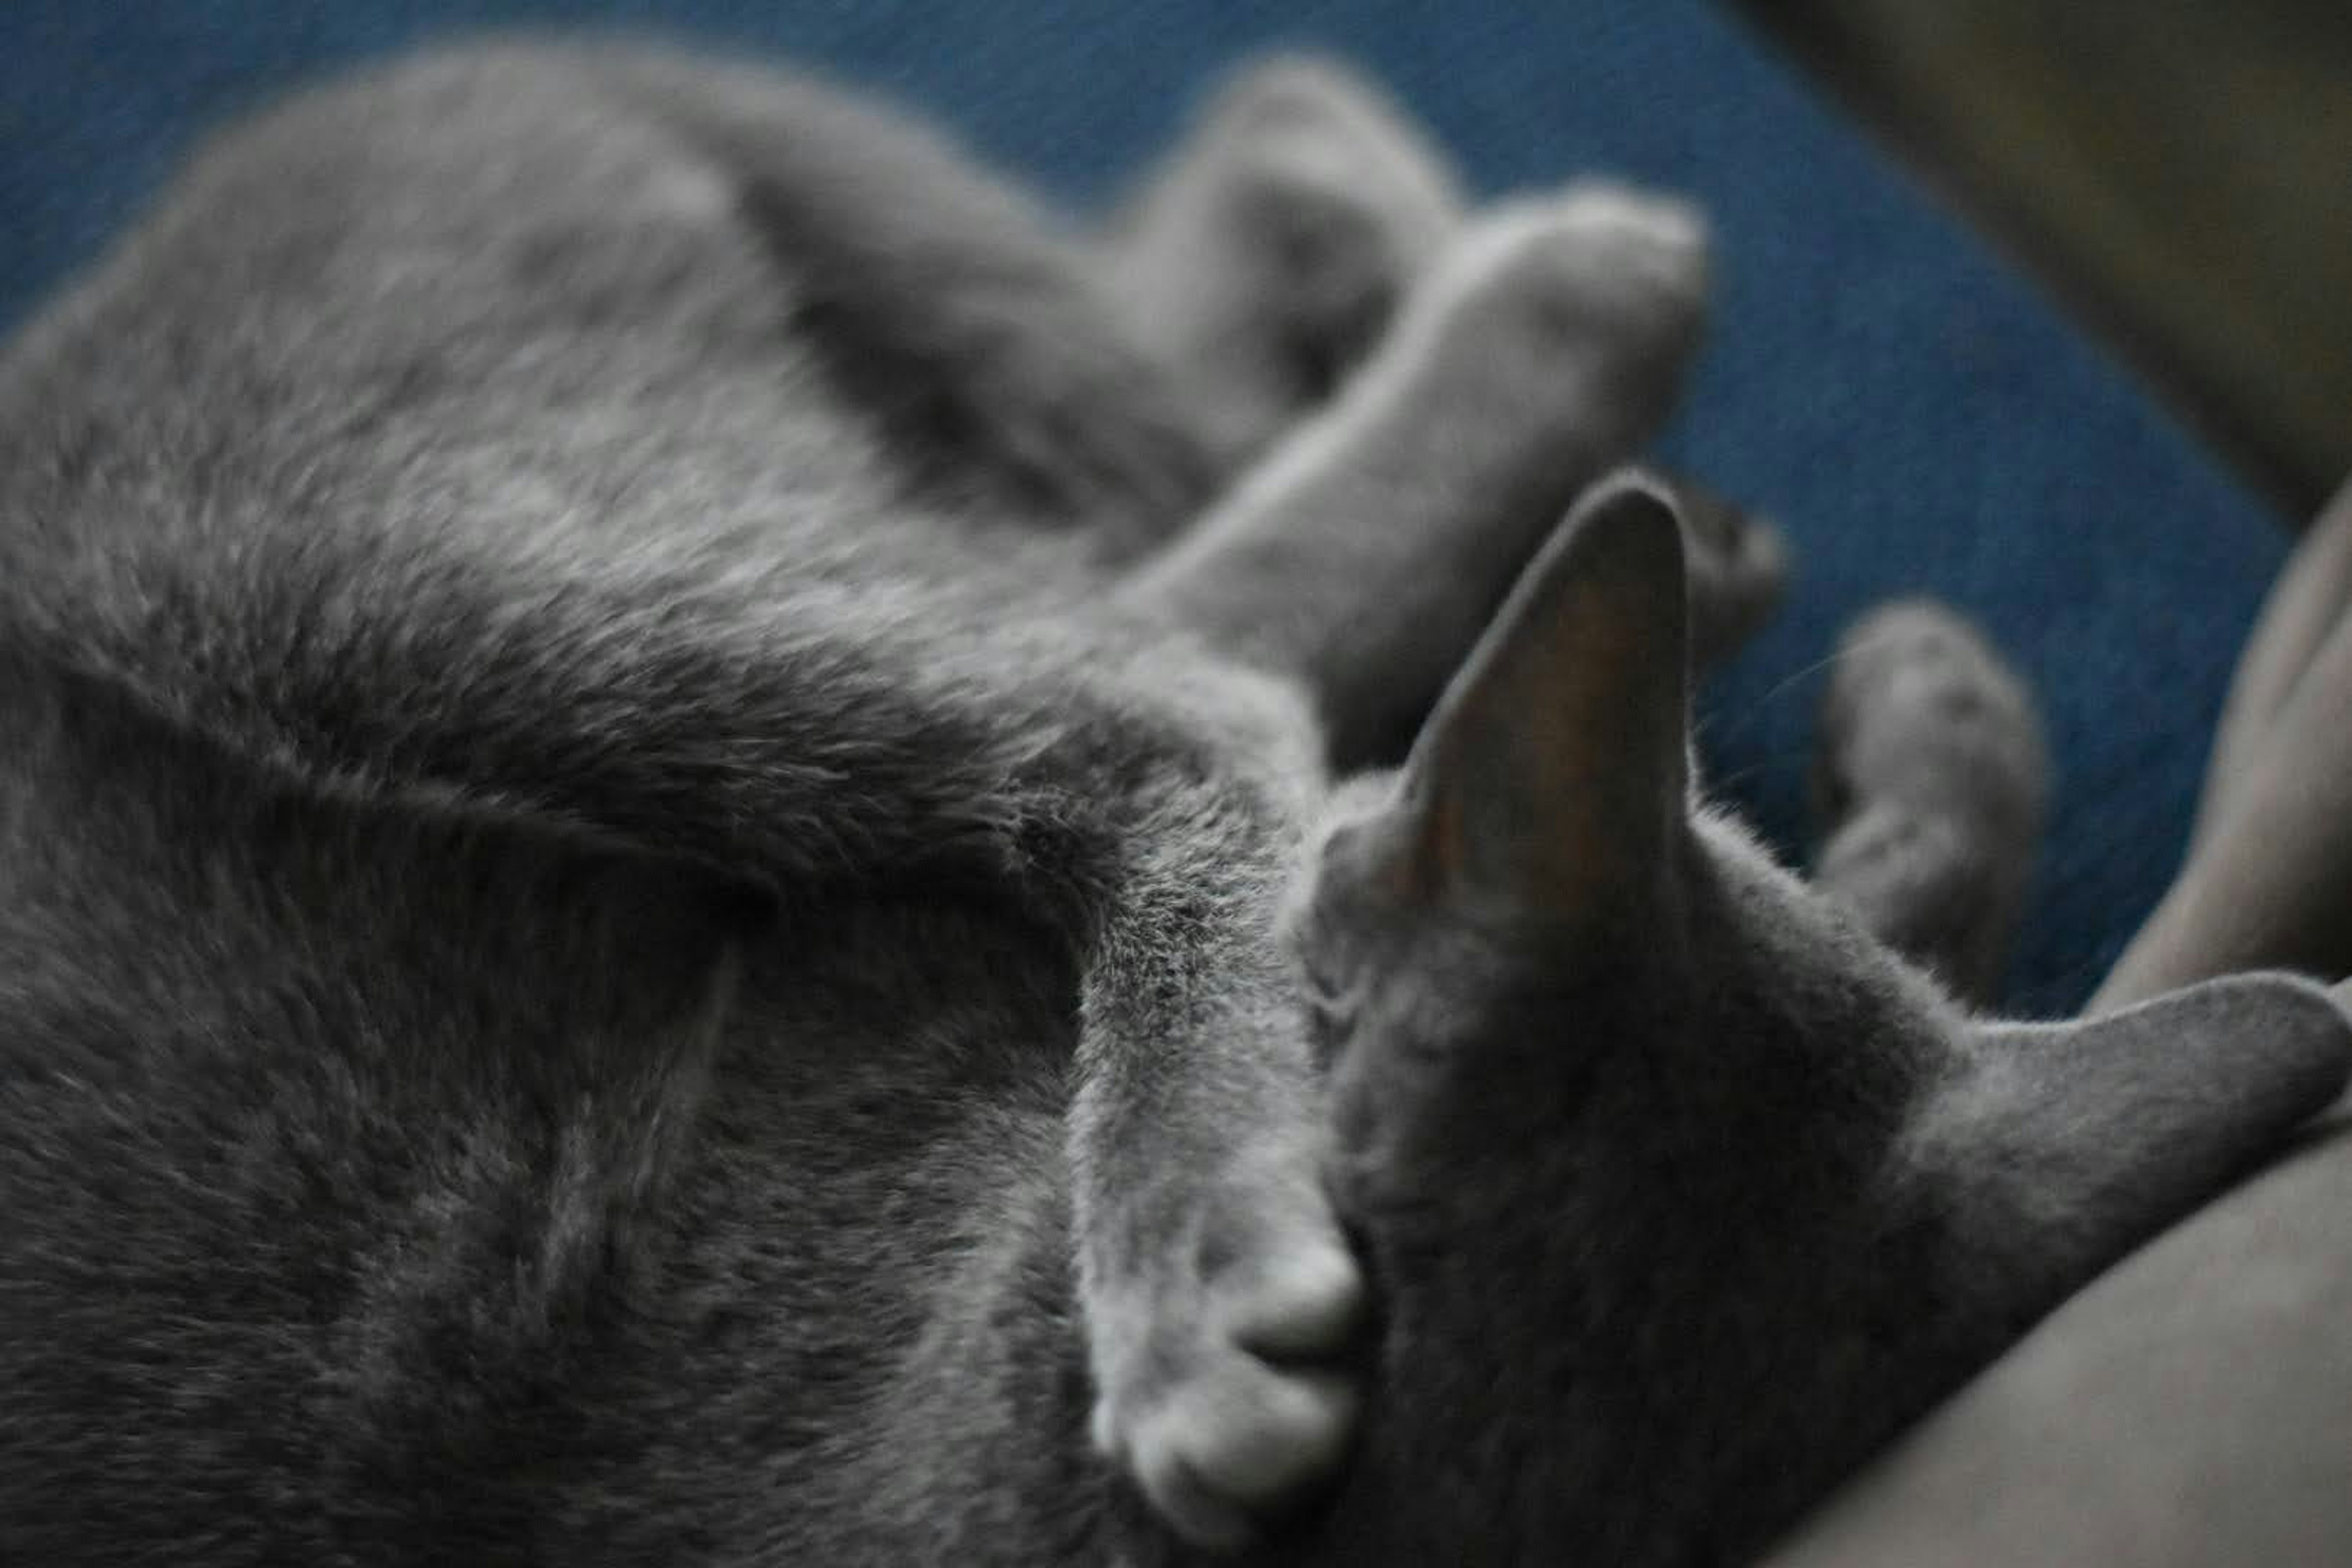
[(1265, 256), (623, 939), (1681, 1192), (1930, 778), (1265, 259)]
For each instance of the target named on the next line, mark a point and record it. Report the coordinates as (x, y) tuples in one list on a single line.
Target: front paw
[(1220, 1387), (1580, 310), (1930, 779)]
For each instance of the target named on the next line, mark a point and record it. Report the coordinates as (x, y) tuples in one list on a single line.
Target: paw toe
[(1238, 1442), (1601, 264), (1664, 223), (1307, 1303)]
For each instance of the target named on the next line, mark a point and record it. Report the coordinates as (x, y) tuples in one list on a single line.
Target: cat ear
[(2079, 1140), (1555, 769)]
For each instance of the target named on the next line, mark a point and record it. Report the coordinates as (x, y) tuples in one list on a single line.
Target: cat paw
[(1220, 1385), (1921, 708), (1738, 566), (1271, 252), (1582, 308), (1340, 198), (1930, 782)]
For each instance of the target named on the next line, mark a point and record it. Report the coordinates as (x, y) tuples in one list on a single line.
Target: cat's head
[(1681, 1194)]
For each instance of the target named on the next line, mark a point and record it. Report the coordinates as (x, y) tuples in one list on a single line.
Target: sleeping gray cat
[(669, 894)]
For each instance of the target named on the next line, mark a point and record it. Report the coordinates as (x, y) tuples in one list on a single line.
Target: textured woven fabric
[(1913, 414)]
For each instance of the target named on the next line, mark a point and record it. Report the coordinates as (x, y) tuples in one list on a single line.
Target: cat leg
[(1930, 777), (1364, 553), (1221, 1299), (943, 301), (1272, 250), (1268, 251)]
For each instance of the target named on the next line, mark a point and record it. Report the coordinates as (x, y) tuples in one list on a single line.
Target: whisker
[(1787, 683)]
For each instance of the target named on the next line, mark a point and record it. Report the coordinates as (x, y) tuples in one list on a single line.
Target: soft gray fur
[(660, 899), (1930, 776)]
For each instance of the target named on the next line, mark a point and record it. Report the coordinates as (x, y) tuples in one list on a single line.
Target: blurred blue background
[(1909, 409)]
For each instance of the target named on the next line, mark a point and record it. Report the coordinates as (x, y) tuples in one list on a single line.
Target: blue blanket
[(1912, 412)]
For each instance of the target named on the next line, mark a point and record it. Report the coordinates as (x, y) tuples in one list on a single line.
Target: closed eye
[(1332, 1011)]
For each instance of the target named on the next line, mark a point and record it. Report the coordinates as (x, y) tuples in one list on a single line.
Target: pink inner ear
[(1441, 850), (1544, 776)]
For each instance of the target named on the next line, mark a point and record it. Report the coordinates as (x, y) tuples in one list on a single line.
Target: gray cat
[(668, 889)]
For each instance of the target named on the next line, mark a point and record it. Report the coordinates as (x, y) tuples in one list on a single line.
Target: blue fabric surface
[(1915, 416)]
